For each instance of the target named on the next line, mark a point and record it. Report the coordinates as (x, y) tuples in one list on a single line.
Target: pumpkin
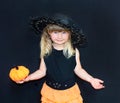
[(18, 73)]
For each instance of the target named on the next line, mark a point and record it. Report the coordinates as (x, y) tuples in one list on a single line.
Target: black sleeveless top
[(59, 68)]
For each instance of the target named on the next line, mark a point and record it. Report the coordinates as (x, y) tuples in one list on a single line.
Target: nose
[(60, 35)]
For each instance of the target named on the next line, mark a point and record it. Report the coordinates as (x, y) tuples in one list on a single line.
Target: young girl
[(60, 60)]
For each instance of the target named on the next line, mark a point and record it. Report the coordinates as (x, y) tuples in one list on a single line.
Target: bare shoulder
[(77, 52), (42, 65), (78, 63)]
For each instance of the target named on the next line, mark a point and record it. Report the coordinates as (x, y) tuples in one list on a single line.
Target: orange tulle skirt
[(71, 95)]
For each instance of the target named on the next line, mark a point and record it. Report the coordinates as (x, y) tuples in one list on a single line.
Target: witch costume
[(60, 85)]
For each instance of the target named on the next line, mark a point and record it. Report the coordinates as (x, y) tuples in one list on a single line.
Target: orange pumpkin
[(18, 73)]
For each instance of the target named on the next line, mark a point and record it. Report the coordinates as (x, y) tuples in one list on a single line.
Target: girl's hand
[(97, 83), (22, 81)]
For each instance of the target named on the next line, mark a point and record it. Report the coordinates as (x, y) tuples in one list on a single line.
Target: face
[(59, 37)]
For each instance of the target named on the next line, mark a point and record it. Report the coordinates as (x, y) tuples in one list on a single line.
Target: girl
[(60, 60)]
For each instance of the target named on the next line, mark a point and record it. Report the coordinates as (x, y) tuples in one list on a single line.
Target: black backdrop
[(100, 21)]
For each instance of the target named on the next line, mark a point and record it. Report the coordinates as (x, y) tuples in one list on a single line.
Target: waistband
[(60, 86)]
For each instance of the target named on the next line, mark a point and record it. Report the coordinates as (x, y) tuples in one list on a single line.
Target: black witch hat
[(39, 23)]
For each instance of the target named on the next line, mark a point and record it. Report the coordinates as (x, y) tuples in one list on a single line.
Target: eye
[(55, 32), (64, 32)]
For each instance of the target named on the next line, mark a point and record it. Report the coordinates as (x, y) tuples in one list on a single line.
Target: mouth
[(59, 40)]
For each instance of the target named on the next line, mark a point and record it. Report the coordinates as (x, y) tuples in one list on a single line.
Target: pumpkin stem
[(17, 67)]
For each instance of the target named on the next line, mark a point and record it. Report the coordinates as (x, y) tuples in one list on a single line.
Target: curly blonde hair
[(46, 43)]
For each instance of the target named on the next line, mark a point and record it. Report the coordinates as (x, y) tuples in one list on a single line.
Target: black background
[(100, 21)]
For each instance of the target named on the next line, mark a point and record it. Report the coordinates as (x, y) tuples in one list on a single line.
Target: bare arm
[(81, 73), (41, 72)]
